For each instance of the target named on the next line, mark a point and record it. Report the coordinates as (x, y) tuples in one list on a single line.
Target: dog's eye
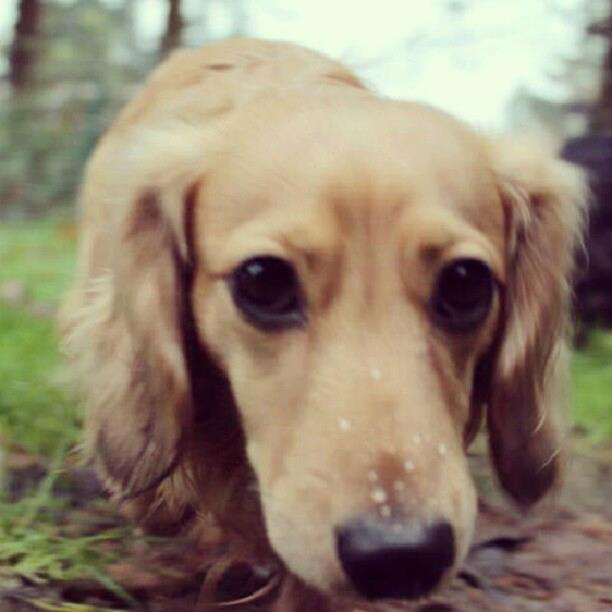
[(267, 292), (463, 295)]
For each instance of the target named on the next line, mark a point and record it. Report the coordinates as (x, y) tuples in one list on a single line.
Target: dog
[(295, 300)]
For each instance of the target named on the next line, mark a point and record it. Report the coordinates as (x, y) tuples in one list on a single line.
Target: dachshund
[(295, 301)]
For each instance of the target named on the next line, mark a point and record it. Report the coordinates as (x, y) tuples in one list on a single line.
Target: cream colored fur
[(249, 148)]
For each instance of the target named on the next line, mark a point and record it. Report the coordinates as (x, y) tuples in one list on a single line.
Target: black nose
[(390, 559)]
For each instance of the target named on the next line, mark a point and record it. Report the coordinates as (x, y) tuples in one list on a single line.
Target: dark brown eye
[(267, 292), (463, 295)]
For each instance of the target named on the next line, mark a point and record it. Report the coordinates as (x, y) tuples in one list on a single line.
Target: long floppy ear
[(127, 327), (544, 199), (138, 442), (124, 329)]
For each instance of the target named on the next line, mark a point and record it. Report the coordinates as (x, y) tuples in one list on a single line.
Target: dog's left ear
[(544, 200)]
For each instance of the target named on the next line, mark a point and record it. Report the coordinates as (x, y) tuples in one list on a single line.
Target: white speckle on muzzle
[(344, 424), (385, 511), (379, 495), (399, 486)]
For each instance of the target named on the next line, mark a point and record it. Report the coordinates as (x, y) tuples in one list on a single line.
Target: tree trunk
[(24, 49), (174, 28), (602, 115), (601, 118)]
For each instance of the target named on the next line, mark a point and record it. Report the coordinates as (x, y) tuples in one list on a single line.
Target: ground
[(64, 548), (558, 560)]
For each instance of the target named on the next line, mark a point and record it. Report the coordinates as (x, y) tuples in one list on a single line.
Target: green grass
[(35, 547), (40, 255), (39, 415), (36, 411), (592, 387)]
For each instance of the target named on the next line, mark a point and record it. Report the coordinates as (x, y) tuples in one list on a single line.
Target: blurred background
[(67, 65)]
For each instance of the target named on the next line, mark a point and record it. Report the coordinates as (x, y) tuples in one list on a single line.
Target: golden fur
[(247, 148)]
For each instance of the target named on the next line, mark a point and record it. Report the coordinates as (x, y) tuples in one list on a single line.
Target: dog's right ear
[(127, 325), (147, 408), (125, 332)]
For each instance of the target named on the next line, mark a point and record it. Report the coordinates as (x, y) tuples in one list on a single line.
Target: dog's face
[(369, 276), (350, 280)]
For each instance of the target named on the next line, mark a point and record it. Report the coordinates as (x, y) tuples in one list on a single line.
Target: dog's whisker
[(540, 424), (553, 456)]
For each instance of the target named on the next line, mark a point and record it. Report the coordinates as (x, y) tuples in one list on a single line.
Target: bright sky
[(468, 62)]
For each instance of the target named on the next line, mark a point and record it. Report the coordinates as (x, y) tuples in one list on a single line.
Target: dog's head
[(369, 277)]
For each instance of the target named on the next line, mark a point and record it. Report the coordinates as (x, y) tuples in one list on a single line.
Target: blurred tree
[(578, 71), (172, 37), (25, 46), (601, 116), (86, 62), (593, 151), (72, 64)]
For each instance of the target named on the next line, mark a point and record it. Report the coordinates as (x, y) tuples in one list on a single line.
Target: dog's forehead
[(387, 163)]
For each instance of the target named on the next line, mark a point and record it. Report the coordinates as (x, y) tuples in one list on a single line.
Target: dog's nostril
[(384, 559)]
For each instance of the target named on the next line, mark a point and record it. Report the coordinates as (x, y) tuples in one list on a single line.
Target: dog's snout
[(386, 559)]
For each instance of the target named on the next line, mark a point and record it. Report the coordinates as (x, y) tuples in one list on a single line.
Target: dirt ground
[(558, 560)]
